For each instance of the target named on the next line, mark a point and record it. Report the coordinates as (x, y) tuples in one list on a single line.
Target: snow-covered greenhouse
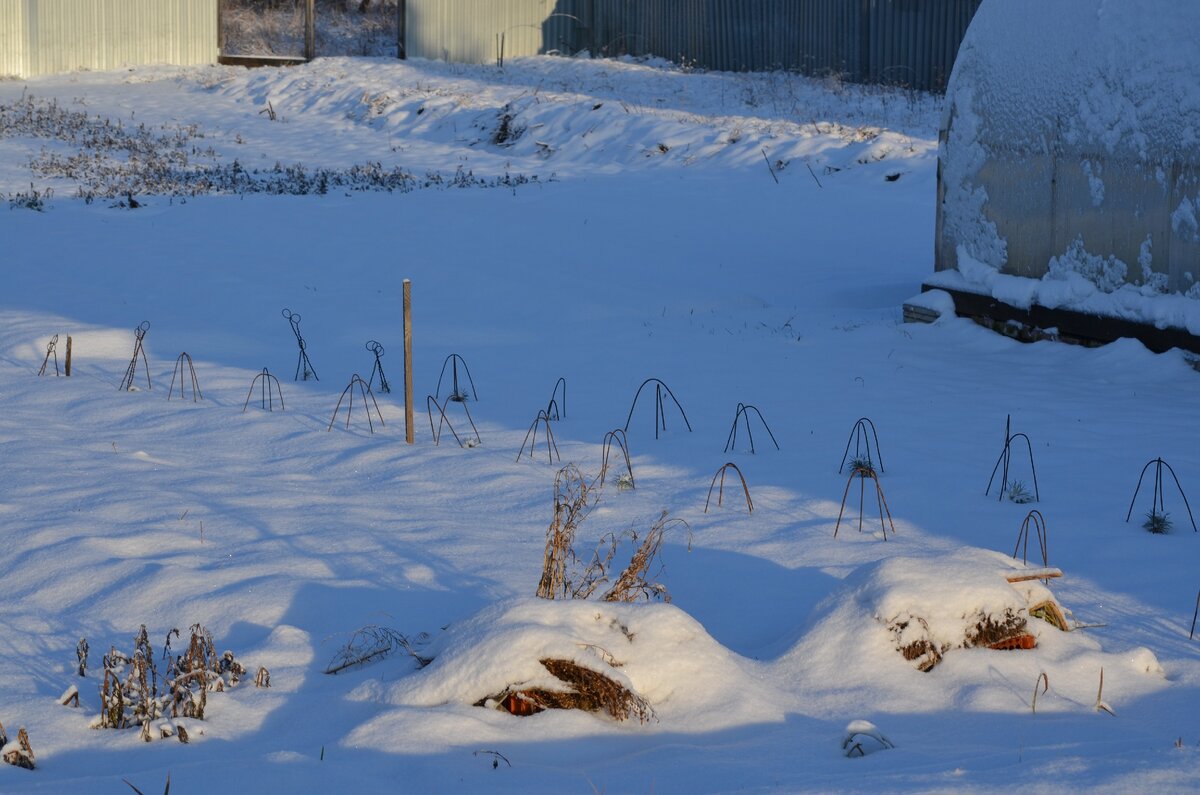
[(1069, 171)]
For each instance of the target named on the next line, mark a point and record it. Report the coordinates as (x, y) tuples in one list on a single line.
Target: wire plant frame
[(50, 351), (542, 419), (138, 350), (377, 349), (660, 417), (1195, 614), (618, 438), (1003, 464), (552, 407), (364, 389), (1157, 506), (721, 488), (457, 394), (862, 445), (1037, 522), (264, 381), (862, 474), (432, 403), (185, 360), (743, 414), (304, 366)]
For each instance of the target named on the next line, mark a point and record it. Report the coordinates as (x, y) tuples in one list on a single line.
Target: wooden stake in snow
[(408, 377), (68, 368)]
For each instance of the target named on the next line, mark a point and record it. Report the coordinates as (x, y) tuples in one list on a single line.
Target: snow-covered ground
[(744, 238)]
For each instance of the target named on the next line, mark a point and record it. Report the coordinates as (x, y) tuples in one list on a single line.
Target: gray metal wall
[(47, 36), (904, 42)]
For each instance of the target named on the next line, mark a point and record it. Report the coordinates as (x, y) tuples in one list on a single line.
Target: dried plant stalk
[(574, 499), (633, 583)]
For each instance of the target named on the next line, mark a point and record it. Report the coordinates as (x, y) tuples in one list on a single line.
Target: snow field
[(691, 265)]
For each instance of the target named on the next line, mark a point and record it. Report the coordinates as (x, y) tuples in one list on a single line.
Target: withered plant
[(574, 499), (564, 576), (133, 694), (367, 644), (634, 582)]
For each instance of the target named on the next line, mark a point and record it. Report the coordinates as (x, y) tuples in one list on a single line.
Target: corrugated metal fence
[(904, 42), (47, 36)]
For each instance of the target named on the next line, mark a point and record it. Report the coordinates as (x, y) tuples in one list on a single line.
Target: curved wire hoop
[(660, 418), (364, 389), (615, 437), (1035, 520), (183, 359), (265, 381), (430, 404), (743, 413), (863, 473), (858, 436), (721, 490), (1156, 504), (1005, 459), (457, 395), (542, 418), (552, 406)]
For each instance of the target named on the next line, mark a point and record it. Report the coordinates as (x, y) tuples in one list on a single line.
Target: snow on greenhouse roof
[(1115, 74)]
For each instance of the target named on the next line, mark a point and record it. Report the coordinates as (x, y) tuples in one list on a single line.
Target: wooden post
[(68, 356), (408, 377), (401, 30), (310, 29)]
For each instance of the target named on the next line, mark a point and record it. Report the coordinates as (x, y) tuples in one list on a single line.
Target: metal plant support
[(1005, 459), (265, 381), (50, 351), (552, 406), (743, 413), (1035, 520), (303, 364), (131, 370), (456, 394), (1156, 504), (180, 362), (377, 349), (862, 442), (430, 404), (721, 490), (1195, 613), (660, 418), (615, 437), (364, 389), (531, 438), (863, 473)]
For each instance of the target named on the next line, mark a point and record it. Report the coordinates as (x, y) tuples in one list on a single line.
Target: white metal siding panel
[(107, 34), (468, 31), (13, 36)]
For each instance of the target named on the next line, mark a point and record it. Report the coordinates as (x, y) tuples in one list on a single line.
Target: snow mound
[(657, 651), (854, 649)]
